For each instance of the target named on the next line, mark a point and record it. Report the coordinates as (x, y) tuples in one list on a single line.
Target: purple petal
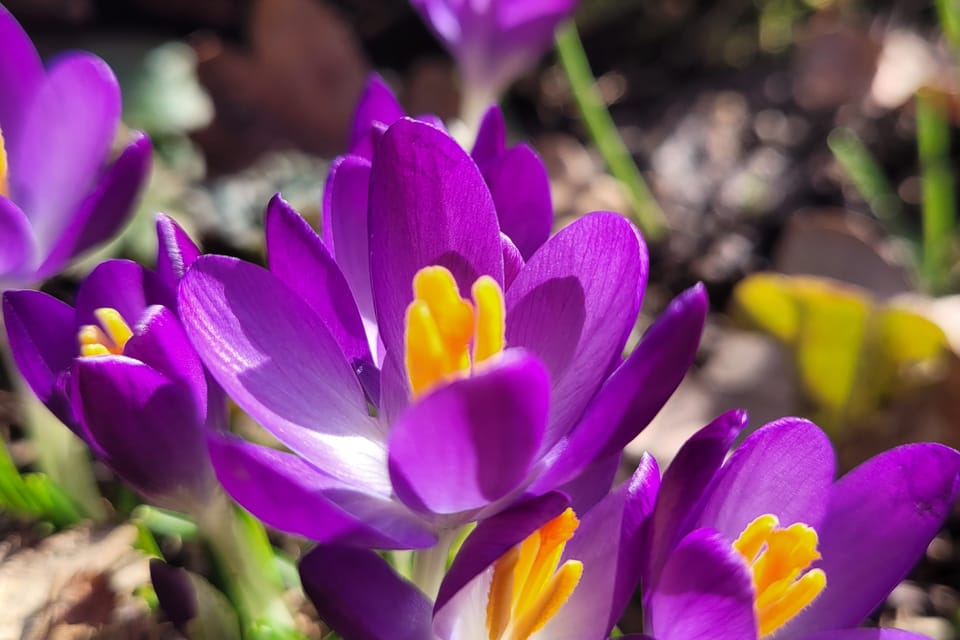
[(107, 207), (175, 251), (122, 285), (345, 231), (882, 516), (21, 73), (520, 188), (429, 205), (866, 634), (43, 340), (367, 600), (67, 134), (785, 469), (491, 138), (573, 305), (685, 481), (297, 257), (512, 260), (493, 537), (705, 592), (145, 426), (472, 441), (175, 593), (289, 494), (591, 486), (17, 255), (377, 105), (277, 360), (636, 391)]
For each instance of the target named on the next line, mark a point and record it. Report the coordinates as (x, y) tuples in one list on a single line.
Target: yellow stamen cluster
[(447, 335), (528, 588), (779, 559), (4, 185), (111, 338)]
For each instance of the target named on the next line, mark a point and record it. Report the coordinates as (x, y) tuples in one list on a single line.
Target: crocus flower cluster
[(61, 193)]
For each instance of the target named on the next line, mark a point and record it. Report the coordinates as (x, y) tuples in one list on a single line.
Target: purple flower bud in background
[(61, 191), (119, 370), (493, 41)]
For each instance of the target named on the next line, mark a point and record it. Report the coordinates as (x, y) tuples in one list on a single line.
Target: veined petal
[(512, 260), (145, 426), (175, 251), (491, 138), (297, 257), (573, 306), (881, 517), (291, 495), (70, 125), (520, 188), (377, 105), (705, 591), (472, 441), (123, 285), (43, 340), (866, 634), (785, 468), (684, 483), (105, 209), (429, 206), (366, 600), (277, 360)]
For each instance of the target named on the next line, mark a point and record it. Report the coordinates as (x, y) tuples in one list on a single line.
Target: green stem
[(647, 212), (939, 199), (430, 565), (61, 455), (245, 559)]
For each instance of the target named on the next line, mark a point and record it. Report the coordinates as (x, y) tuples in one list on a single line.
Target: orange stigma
[(779, 559), (528, 588), (446, 335), (4, 185), (110, 339)]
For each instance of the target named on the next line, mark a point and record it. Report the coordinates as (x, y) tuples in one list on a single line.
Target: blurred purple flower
[(574, 583), (730, 541), (379, 459), (133, 388), (59, 193), (494, 41), (515, 175)]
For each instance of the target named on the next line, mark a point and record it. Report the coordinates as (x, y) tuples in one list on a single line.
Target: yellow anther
[(4, 185), (443, 330), (779, 560), (111, 338), (528, 587)]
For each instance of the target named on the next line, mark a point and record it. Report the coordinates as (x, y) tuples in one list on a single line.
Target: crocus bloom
[(59, 192), (769, 545), (515, 175), (119, 371), (493, 41), (495, 381)]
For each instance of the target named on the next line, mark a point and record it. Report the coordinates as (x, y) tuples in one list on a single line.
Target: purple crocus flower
[(493, 41), (119, 370), (59, 193), (495, 381), (767, 544), (538, 571), (516, 177)]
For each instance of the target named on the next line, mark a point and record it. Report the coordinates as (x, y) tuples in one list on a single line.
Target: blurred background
[(784, 141)]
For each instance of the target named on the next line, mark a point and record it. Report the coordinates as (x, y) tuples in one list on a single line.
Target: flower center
[(111, 338), (779, 559), (528, 588), (4, 186), (446, 335)]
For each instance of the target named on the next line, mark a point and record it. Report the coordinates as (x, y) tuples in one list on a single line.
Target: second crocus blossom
[(536, 572), (767, 544), (382, 461), (119, 371), (493, 41), (60, 191)]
